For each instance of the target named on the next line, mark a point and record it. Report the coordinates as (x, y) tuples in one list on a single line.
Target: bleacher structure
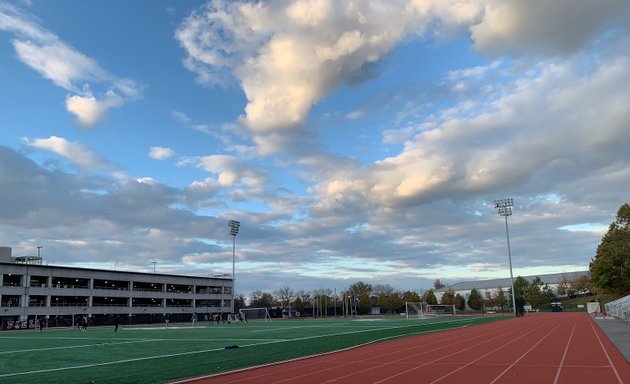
[(619, 308)]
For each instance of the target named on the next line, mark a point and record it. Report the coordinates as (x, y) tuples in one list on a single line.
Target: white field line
[(73, 346), (204, 351), (127, 342), (352, 326)]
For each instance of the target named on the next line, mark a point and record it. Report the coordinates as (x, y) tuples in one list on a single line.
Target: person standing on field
[(194, 319)]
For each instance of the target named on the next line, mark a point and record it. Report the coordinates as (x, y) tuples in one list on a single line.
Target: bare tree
[(260, 299), (437, 284), (285, 296)]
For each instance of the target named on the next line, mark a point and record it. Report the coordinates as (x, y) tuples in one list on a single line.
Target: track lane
[(539, 348)]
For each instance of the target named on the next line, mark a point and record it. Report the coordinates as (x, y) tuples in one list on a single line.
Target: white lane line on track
[(446, 346), (564, 355), (607, 355), (524, 354)]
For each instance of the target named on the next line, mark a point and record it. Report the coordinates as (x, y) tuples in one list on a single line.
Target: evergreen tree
[(459, 302), (610, 269), (474, 300), (430, 297), (448, 297)]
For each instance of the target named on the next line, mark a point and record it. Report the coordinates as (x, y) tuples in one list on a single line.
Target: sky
[(353, 140)]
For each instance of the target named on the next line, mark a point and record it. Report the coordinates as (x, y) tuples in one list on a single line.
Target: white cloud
[(161, 153), (545, 27), (89, 110), (59, 63), (66, 67), (72, 151), (230, 171), (288, 54)]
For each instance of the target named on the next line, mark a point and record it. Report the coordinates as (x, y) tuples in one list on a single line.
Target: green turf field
[(156, 355)]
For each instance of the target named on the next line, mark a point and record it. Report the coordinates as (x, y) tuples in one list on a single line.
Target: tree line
[(360, 297), (609, 273)]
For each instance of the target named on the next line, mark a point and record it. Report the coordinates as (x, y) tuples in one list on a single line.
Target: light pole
[(234, 227), (39, 249), (504, 207), (154, 262)]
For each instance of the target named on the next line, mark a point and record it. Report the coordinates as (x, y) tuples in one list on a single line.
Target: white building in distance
[(489, 288)]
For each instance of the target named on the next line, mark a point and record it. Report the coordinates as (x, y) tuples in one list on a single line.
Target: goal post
[(255, 313), (443, 309), (423, 310), (414, 310)]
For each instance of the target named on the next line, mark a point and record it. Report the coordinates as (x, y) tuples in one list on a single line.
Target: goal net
[(255, 314), (424, 310)]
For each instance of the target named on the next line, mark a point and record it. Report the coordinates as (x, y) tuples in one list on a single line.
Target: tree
[(548, 295), (498, 299), (380, 289), (298, 305), (411, 296), (430, 298), (521, 286), (459, 302), (563, 286), (261, 299), (364, 304), (239, 302), (387, 297), (610, 269), (437, 284), (448, 297), (303, 300), (359, 288), (474, 300), (581, 284), (284, 295), (534, 295)]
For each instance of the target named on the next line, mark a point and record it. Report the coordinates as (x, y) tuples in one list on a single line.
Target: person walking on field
[(116, 323)]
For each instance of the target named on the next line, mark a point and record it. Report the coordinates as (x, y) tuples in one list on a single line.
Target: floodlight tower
[(234, 227), (504, 207)]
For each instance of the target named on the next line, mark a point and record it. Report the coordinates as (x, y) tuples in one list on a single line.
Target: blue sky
[(355, 141)]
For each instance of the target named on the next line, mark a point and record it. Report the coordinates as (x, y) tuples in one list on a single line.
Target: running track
[(538, 348)]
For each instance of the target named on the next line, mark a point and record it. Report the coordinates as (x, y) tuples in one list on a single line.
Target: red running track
[(539, 348)]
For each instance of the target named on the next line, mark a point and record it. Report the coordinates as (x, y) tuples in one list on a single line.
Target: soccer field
[(156, 354)]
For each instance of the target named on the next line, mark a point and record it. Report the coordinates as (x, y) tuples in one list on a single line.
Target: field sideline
[(158, 354)]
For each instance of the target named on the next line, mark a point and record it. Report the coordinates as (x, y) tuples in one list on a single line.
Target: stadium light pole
[(504, 207), (234, 227)]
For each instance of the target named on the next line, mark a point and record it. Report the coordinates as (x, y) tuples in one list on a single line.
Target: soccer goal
[(424, 310), (255, 314)]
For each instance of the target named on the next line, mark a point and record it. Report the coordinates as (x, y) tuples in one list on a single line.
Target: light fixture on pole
[(234, 227), (504, 207), (154, 262)]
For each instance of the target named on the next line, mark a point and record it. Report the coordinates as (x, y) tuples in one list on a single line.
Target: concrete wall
[(5, 254)]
